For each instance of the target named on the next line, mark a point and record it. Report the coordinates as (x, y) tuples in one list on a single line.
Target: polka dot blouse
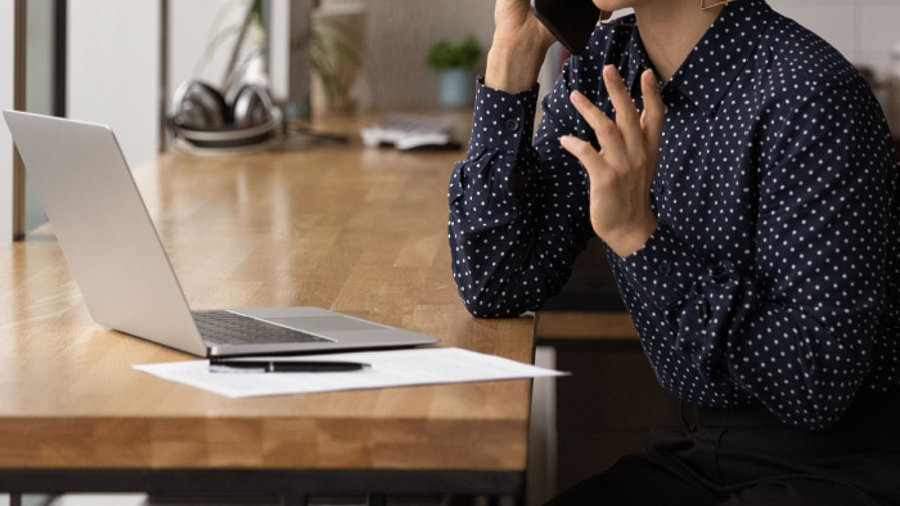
[(773, 275)]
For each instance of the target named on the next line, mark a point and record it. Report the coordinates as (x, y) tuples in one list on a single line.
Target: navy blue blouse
[(773, 276)]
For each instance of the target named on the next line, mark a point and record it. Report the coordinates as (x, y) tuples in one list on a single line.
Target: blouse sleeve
[(518, 208)]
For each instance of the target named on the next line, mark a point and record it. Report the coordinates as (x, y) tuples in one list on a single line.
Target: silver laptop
[(125, 277)]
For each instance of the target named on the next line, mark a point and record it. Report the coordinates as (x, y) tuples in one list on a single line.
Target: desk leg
[(15, 499), (542, 434)]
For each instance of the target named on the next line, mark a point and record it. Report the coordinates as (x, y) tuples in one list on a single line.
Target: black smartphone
[(571, 21)]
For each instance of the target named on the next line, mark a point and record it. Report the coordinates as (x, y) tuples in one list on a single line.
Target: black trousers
[(747, 457)]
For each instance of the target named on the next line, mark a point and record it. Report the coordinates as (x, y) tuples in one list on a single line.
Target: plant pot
[(457, 87)]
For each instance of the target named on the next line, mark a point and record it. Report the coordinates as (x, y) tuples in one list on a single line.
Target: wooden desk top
[(357, 231), (584, 326)]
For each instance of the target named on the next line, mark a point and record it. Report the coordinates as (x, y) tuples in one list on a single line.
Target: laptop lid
[(112, 248)]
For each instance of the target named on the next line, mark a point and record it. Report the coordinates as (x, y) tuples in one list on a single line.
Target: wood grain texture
[(357, 231), (585, 325)]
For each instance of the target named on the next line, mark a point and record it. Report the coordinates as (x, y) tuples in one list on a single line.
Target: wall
[(7, 19), (192, 27), (40, 50), (39, 83), (863, 30), (113, 77), (114, 60), (398, 35)]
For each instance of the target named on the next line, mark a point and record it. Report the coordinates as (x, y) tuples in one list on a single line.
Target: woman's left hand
[(621, 172)]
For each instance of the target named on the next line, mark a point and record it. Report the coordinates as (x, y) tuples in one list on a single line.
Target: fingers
[(626, 114), (586, 154), (633, 139), (607, 132), (654, 115)]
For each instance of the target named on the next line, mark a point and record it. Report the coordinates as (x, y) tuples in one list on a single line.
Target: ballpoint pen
[(257, 366)]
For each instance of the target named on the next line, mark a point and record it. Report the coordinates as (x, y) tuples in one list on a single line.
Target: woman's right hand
[(516, 26), (519, 46)]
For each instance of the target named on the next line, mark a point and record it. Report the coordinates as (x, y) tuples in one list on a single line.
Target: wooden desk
[(357, 231), (575, 326)]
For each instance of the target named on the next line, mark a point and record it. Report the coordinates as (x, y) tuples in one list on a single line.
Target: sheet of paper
[(420, 366)]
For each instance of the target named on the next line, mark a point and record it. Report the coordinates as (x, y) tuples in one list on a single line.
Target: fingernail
[(577, 96)]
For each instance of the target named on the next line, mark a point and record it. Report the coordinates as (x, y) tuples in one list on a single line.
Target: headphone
[(204, 118)]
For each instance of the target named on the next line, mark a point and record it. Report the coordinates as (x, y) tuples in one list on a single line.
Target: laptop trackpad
[(327, 324)]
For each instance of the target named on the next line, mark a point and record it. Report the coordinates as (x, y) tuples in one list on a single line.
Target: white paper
[(420, 366)]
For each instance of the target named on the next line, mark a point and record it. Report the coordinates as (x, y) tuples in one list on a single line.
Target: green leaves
[(446, 54)]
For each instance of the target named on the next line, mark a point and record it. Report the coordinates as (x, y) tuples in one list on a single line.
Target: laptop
[(125, 277)]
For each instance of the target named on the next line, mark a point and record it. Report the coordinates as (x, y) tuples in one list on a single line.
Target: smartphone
[(571, 21)]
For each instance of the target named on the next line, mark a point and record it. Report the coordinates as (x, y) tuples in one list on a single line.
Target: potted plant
[(455, 61), (336, 46)]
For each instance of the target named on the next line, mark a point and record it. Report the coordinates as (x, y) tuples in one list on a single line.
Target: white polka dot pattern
[(773, 276)]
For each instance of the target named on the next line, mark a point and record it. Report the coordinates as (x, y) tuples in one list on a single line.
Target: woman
[(750, 214)]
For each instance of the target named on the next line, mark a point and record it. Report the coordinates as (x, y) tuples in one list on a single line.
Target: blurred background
[(121, 63)]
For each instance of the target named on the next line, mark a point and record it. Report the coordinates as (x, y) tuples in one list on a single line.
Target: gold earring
[(704, 6)]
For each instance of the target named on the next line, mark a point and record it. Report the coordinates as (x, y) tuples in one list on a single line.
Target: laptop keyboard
[(224, 327)]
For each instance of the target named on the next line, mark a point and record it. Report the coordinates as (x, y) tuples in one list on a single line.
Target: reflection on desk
[(358, 231)]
